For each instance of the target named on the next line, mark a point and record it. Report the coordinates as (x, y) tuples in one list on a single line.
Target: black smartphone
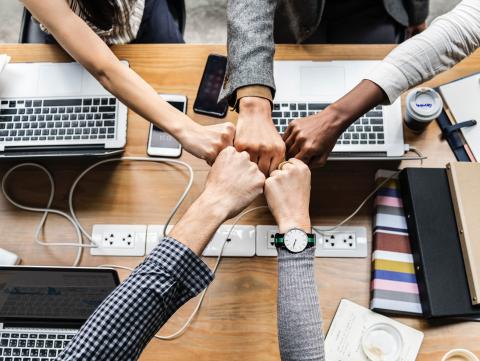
[(206, 101)]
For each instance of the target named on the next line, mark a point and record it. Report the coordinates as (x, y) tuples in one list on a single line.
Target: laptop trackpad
[(64, 79), (322, 81)]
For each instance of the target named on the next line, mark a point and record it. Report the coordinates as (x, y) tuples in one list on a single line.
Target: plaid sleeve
[(129, 317)]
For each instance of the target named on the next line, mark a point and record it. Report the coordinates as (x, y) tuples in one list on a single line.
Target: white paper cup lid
[(424, 104), (382, 342)]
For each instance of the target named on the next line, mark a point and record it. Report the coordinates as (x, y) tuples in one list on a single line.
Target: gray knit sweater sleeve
[(300, 334)]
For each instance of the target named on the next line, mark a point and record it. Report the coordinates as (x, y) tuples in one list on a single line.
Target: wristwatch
[(295, 240)]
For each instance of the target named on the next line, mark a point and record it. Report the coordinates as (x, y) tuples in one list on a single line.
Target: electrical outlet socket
[(343, 242), (242, 243), (119, 240)]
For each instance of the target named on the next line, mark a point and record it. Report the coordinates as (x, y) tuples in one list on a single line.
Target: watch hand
[(294, 243)]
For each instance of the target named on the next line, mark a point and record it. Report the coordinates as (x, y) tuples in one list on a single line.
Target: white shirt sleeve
[(448, 40)]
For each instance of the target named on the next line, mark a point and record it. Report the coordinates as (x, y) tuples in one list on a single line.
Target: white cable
[(45, 212), (125, 268), (187, 323), (141, 159), (421, 157), (78, 227), (72, 218)]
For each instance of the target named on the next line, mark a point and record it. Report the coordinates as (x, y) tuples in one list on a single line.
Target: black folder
[(436, 247)]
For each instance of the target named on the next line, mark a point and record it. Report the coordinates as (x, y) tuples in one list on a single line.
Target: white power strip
[(245, 241), (241, 244), (344, 242), (118, 240)]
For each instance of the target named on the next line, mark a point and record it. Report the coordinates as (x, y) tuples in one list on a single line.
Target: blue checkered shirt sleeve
[(129, 317)]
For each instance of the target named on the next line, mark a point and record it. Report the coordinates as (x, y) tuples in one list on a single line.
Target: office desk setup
[(237, 320)]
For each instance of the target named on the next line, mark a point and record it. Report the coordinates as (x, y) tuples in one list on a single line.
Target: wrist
[(302, 223), (216, 207), (183, 128), (255, 105)]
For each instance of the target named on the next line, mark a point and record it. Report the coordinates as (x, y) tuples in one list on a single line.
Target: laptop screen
[(62, 295)]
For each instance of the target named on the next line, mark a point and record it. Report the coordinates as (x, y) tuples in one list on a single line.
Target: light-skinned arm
[(299, 318), (79, 40), (249, 82), (172, 273), (448, 40)]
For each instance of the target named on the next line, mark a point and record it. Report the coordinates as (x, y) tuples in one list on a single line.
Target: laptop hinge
[(42, 324), (53, 148), (334, 155)]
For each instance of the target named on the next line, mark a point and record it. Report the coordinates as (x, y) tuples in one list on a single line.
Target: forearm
[(124, 323), (365, 96), (298, 308), (101, 62), (140, 97), (449, 39), (198, 225)]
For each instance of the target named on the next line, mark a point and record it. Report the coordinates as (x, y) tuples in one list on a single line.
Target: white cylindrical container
[(423, 105)]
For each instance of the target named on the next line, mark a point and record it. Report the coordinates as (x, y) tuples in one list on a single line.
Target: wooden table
[(238, 318)]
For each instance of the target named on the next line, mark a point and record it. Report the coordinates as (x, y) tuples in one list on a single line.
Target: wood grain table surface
[(238, 318)]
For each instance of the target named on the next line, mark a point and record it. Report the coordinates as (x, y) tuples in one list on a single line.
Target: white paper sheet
[(463, 99), (343, 341)]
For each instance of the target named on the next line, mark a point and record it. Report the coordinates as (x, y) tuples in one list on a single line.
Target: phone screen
[(161, 139), (210, 87)]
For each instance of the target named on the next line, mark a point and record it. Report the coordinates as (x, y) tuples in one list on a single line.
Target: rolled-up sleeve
[(129, 317), (450, 38)]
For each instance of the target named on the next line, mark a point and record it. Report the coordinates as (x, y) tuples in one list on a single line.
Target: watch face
[(296, 240)]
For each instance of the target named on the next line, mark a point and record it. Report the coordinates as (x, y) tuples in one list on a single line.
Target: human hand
[(257, 135), (311, 139), (206, 142), (233, 182), (287, 191)]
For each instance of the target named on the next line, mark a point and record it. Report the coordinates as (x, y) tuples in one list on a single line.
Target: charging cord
[(420, 158), (80, 230), (71, 216)]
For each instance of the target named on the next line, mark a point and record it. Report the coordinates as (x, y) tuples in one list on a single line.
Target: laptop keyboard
[(61, 120), (36, 346), (368, 129)]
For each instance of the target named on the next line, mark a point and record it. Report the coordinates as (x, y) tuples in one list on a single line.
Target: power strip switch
[(119, 240)]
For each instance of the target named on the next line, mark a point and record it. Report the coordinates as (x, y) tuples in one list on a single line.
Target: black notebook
[(436, 248)]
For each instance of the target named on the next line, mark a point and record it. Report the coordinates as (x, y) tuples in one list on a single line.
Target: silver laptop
[(307, 87), (57, 109), (42, 308)]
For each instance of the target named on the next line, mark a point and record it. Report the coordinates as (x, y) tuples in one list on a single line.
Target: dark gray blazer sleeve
[(250, 45), (417, 11)]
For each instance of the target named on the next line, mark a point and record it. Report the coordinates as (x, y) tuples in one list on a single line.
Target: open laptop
[(307, 87), (57, 109), (42, 308)]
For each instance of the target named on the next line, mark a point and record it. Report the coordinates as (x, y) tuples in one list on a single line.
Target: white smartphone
[(160, 143)]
